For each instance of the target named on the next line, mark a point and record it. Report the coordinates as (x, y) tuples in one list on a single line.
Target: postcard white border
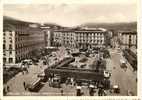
[(139, 30)]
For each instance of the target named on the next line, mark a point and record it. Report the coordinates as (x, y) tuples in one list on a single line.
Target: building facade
[(127, 39), (90, 38), (19, 40), (64, 37), (80, 38), (57, 38), (48, 32)]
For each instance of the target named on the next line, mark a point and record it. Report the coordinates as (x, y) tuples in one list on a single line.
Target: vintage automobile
[(107, 74), (34, 85), (28, 61), (55, 82), (116, 89), (123, 63)]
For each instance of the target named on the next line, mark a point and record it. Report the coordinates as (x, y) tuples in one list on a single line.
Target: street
[(125, 79)]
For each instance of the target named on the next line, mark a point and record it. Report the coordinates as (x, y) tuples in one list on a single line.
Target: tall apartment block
[(128, 39), (80, 38), (19, 40)]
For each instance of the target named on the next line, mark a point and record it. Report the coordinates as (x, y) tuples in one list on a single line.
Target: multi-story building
[(48, 35), (64, 37), (90, 38), (19, 40), (80, 38), (48, 31), (58, 38), (127, 39)]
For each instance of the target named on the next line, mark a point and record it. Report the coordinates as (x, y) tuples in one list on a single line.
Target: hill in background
[(132, 26)]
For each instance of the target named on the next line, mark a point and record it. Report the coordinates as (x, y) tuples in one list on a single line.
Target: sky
[(72, 14)]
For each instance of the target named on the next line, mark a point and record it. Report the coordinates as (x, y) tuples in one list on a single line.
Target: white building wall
[(9, 39)]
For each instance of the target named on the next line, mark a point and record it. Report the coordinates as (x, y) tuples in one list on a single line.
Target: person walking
[(22, 69), (78, 91), (101, 92), (24, 84), (91, 90), (8, 89), (4, 91), (62, 92), (27, 70)]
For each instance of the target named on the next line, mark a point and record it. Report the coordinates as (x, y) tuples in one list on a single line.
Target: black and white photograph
[(70, 49)]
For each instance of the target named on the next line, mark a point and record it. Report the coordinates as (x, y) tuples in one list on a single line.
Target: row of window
[(10, 60), (7, 32), (4, 46), (82, 34), (10, 52), (90, 38), (17, 46), (28, 38), (4, 41), (90, 41)]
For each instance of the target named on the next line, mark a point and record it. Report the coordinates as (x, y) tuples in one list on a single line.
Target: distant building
[(81, 38), (48, 31), (19, 40), (64, 37), (90, 38), (127, 39), (57, 38), (48, 35)]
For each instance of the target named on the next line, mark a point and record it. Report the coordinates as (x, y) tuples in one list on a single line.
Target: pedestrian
[(24, 84), (26, 69), (62, 92), (100, 92), (78, 91), (23, 71), (27, 65), (4, 92), (91, 92), (72, 81), (8, 89), (40, 66)]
